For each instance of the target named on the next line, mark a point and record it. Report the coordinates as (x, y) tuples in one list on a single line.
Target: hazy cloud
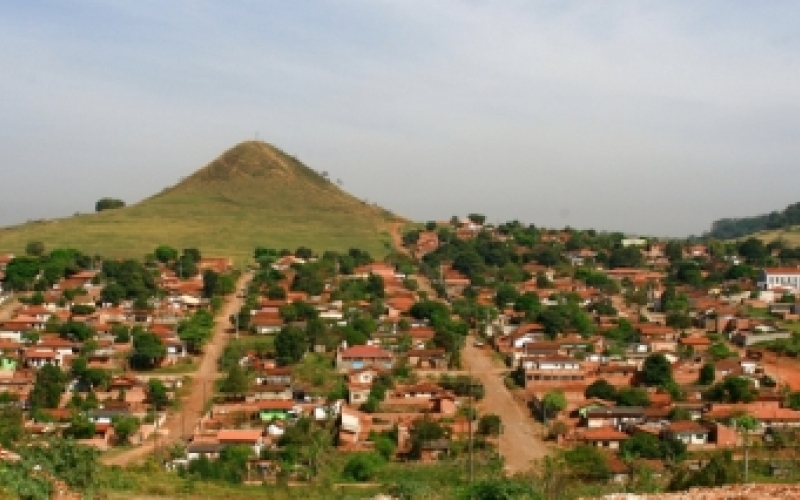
[(652, 118)]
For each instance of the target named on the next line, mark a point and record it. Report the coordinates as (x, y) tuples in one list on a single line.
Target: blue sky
[(645, 117)]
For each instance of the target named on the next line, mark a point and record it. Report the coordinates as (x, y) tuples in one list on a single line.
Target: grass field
[(791, 235), (252, 195)]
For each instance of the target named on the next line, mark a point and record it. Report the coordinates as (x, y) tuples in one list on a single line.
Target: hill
[(253, 194), (744, 226)]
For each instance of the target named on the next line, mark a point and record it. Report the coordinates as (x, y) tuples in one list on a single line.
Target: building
[(779, 277)]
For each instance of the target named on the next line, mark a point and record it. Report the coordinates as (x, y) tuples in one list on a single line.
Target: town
[(626, 362)]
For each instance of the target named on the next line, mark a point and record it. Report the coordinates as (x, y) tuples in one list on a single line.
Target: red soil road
[(183, 422), (520, 442)]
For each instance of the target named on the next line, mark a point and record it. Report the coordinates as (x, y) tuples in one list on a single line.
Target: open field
[(252, 195), (792, 236)]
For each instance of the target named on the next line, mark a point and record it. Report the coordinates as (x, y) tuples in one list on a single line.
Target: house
[(362, 356), (779, 277), (275, 376), (275, 409), (602, 437), (427, 359), (209, 450), (688, 432), (552, 370), (260, 392), (355, 427), (253, 438), (618, 417), (266, 323)]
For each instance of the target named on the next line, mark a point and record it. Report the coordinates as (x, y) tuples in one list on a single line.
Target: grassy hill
[(254, 194), (791, 235)]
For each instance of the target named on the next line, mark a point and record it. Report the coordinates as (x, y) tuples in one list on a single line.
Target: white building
[(779, 277)]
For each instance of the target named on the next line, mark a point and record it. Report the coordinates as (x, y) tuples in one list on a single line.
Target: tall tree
[(47, 388)]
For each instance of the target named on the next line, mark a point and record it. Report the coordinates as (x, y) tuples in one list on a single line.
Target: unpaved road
[(520, 444), (8, 308), (183, 422)]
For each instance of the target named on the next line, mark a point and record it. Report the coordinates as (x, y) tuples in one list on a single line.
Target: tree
[(236, 382), (11, 425), (707, 374), (632, 396), (477, 219), (157, 393), (489, 425), (290, 345), (112, 293), (553, 402), (793, 400), (148, 351), (211, 280), (719, 470), (732, 389), (644, 445), (656, 370), (165, 254), (34, 248), (587, 463), (362, 466), (108, 204), (80, 427), (47, 388), (424, 430), (124, 428), (601, 389)]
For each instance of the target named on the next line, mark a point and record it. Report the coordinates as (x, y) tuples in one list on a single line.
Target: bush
[(362, 467)]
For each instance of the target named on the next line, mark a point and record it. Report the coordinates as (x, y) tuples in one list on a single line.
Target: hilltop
[(253, 194)]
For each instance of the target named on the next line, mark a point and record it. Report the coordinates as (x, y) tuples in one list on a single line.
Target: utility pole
[(471, 446)]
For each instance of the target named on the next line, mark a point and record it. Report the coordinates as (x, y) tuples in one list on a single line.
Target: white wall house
[(779, 277)]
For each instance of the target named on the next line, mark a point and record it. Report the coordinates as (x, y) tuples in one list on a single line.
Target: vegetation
[(108, 204), (273, 198), (736, 228)]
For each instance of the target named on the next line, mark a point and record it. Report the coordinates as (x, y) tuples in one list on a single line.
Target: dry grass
[(791, 235), (252, 195)]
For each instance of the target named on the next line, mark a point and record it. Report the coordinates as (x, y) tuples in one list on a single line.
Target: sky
[(646, 117)]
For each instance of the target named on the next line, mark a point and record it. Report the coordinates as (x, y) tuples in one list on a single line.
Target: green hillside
[(254, 194)]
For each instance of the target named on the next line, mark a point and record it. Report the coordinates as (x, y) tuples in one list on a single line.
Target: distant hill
[(253, 194), (744, 226)]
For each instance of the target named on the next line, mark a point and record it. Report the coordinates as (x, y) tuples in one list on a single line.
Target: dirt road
[(183, 422), (8, 308), (519, 442)]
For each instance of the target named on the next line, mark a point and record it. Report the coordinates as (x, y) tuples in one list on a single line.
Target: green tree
[(236, 381), (11, 425), (362, 467), (601, 389), (157, 393), (290, 345), (80, 427), (424, 430), (34, 248), (108, 204), (553, 402), (166, 254), (656, 370), (707, 374), (47, 388), (732, 389), (148, 351), (124, 428), (632, 396), (489, 425), (211, 282), (793, 400), (587, 463)]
